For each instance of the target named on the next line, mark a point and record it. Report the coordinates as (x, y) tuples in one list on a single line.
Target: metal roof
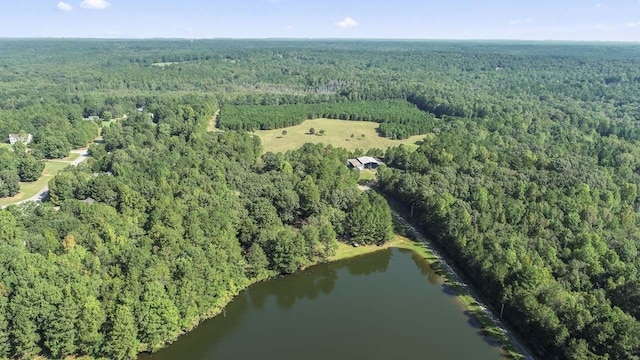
[(367, 160), (355, 163)]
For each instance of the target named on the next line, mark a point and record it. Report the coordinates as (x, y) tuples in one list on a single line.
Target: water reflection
[(425, 266), (308, 285), (377, 262), (372, 307), (200, 342), (320, 279)]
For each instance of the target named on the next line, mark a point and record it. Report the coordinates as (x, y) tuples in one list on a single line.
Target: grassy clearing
[(213, 122), (337, 133), (345, 251), (367, 175), (29, 189), (108, 123), (68, 159)]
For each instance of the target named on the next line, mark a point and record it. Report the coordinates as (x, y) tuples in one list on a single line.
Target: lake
[(386, 305)]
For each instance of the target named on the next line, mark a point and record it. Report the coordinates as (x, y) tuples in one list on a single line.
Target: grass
[(29, 189), (345, 251), (367, 175), (337, 133), (109, 123), (70, 158), (5, 146)]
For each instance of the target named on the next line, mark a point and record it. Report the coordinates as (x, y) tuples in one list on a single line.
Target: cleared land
[(337, 133), (72, 156), (29, 189)]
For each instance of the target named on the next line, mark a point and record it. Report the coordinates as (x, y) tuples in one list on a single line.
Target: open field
[(72, 156), (337, 133), (29, 189)]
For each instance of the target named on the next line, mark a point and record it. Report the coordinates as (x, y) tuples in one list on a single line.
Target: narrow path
[(213, 122), (419, 235)]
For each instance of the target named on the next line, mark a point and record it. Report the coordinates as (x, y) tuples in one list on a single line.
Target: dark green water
[(385, 305)]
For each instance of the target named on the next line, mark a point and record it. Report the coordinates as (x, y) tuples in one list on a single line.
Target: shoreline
[(476, 311), (465, 293), (346, 251)]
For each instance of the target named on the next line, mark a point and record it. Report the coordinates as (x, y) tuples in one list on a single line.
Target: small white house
[(25, 139)]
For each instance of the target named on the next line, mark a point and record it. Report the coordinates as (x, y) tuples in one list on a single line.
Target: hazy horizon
[(544, 20), (318, 39)]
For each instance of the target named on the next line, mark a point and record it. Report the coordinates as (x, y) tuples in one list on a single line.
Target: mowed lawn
[(337, 133), (29, 189)]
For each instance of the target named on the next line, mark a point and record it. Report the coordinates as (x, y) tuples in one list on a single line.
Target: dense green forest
[(181, 221), (528, 178)]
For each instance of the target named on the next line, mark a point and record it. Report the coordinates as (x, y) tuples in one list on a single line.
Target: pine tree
[(90, 321), (4, 324), (60, 329), (121, 342), (158, 316), (23, 330)]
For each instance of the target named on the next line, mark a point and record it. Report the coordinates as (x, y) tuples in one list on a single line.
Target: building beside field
[(364, 162)]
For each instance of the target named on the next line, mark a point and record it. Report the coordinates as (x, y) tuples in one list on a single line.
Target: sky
[(584, 20)]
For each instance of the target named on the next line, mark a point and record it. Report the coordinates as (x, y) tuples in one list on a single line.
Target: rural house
[(24, 138)]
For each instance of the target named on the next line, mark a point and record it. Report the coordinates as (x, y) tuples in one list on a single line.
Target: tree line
[(398, 119)]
